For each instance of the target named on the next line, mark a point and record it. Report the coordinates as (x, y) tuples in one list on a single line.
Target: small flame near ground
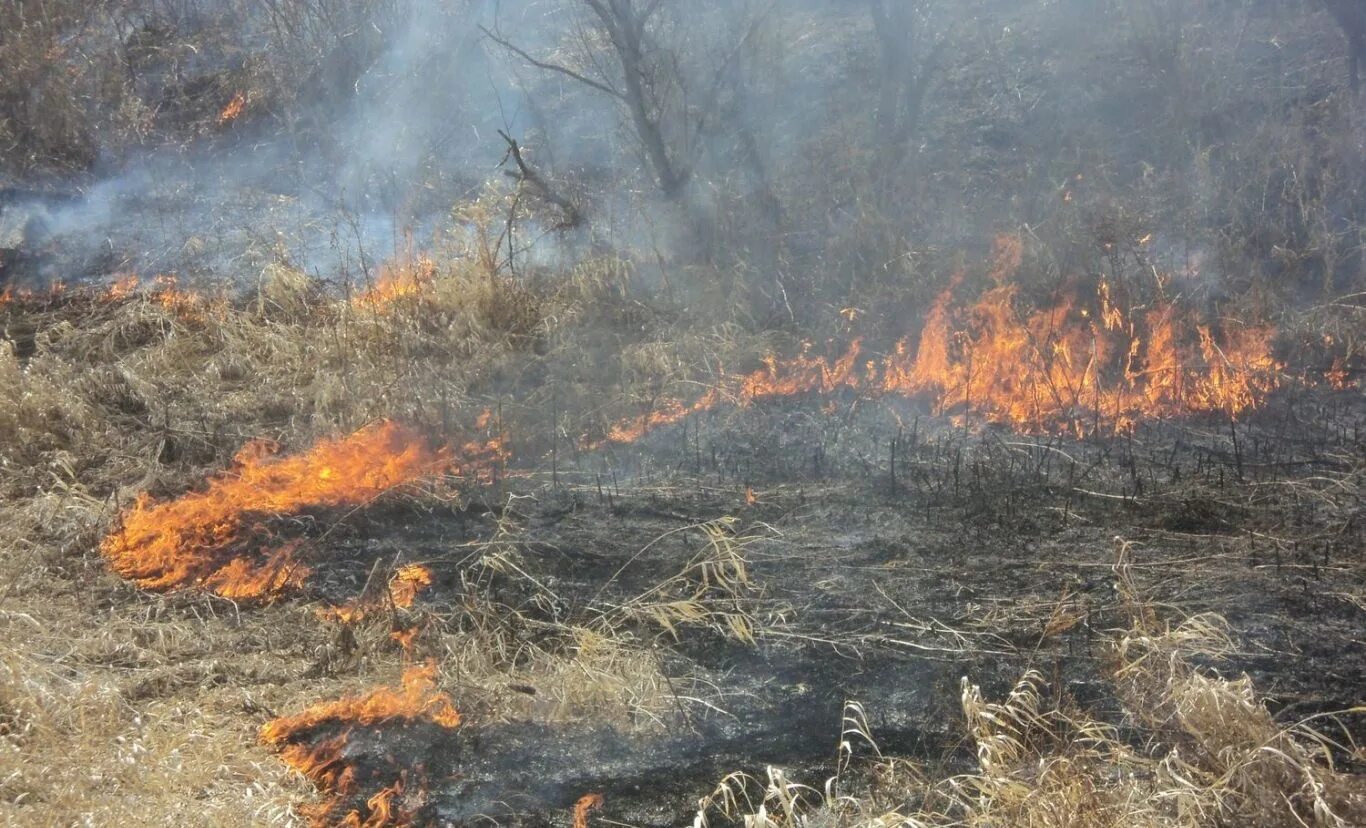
[(408, 276), (401, 592), (586, 803), (161, 290), (398, 794), (205, 538), (234, 108)]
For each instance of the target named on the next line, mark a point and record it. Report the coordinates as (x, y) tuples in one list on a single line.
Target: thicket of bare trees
[(806, 153)]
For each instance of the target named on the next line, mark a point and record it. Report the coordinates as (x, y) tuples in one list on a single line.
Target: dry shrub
[(713, 589)]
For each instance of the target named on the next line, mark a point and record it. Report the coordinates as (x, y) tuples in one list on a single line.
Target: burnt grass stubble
[(908, 553)]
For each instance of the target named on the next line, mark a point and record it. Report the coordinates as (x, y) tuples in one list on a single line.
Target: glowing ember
[(233, 109), (1338, 377), (586, 803), (326, 763), (214, 539)]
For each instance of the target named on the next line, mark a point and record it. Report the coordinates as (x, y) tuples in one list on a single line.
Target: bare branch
[(551, 67), (526, 174)]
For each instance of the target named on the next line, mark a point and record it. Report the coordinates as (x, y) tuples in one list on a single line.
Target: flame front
[(326, 763), (204, 538), (1081, 366)]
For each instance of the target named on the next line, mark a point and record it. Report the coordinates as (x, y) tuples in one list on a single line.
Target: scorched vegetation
[(587, 412)]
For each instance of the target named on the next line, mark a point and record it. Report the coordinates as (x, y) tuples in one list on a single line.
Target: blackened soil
[(985, 555)]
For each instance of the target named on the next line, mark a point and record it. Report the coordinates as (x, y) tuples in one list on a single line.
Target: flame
[(163, 290), (326, 764), (407, 583), (402, 591), (121, 288), (586, 803), (405, 637), (1083, 365), (415, 699), (1078, 368), (233, 109), (188, 305), (750, 497), (1337, 376), (406, 276), (203, 538)]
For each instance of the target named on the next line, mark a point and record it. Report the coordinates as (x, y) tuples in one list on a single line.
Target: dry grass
[(1195, 749)]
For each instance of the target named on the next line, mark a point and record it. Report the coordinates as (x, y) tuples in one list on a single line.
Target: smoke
[(820, 143)]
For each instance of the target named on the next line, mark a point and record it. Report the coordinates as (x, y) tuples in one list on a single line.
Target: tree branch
[(526, 174), (552, 67)]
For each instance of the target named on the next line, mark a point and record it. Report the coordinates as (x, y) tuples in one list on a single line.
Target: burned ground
[(891, 414), (989, 554)]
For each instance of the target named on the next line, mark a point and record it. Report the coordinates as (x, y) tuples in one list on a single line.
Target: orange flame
[(1080, 366), (402, 591), (198, 539), (407, 583), (405, 638), (233, 109), (416, 699), (187, 305), (326, 764), (408, 276), (586, 803), (121, 288)]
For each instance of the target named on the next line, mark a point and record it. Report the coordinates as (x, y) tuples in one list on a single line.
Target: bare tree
[(636, 52), (908, 59)]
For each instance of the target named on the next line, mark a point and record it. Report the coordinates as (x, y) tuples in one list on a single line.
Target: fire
[(325, 762), (215, 539), (1338, 377), (586, 803), (188, 305), (402, 591), (408, 276), (121, 288), (405, 638), (1083, 365), (415, 699), (233, 109), (407, 583), (163, 290)]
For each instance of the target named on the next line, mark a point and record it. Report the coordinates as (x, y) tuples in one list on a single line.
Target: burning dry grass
[(110, 719), (144, 391), (196, 539), (325, 762)]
